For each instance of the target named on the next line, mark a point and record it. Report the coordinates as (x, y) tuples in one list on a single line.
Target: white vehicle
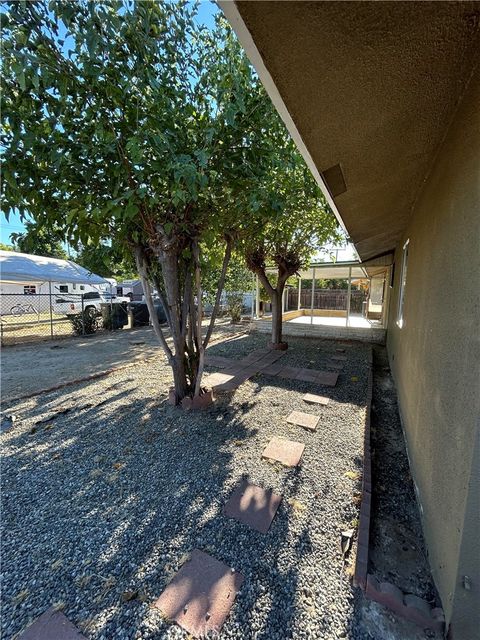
[(91, 303)]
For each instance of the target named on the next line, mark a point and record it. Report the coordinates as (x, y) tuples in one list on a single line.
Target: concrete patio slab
[(201, 594), (288, 452), (253, 506), (302, 419), (51, 625), (315, 399)]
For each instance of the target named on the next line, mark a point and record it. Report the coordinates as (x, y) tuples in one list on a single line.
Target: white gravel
[(110, 496)]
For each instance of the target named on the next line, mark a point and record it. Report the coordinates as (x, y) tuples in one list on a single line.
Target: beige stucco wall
[(435, 360)]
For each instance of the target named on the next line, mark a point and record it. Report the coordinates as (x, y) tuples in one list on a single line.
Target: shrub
[(83, 323)]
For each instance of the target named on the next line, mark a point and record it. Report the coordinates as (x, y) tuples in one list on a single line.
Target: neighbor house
[(383, 101)]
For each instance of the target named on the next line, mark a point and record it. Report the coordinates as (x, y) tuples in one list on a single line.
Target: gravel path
[(111, 495)]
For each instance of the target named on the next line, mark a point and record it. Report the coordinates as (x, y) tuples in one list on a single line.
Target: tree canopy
[(129, 123), (40, 240)]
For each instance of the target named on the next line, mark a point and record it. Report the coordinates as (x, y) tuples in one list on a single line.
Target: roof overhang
[(367, 91)]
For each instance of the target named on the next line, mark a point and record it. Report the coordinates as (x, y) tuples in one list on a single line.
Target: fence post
[(83, 315), (51, 309), (299, 294), (257, 297)]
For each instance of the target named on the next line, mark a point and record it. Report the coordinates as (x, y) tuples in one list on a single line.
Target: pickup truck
[(92, 300)]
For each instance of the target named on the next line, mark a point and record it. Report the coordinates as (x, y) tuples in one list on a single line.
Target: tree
[(106, 260), (40, 240), (6, 247), (127, 122), (237, 282), (291, 223)]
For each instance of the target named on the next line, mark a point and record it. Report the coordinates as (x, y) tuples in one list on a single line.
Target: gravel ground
[(112, 494), (29, 368)]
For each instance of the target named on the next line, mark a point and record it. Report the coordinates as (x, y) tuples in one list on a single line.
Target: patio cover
[(24, 268)]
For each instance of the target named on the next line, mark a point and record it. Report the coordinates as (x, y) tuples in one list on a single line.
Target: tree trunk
[(276, 299)]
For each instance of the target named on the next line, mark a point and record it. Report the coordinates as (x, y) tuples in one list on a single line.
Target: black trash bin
[(141, 316)]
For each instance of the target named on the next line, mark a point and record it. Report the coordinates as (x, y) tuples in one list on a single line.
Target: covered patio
[(356, 310)]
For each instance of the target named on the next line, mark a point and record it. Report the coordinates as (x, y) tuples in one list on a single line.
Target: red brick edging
[(387, 594)]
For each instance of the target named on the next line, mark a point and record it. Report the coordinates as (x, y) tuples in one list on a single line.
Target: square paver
[(201, 594), (302, 419), (273, 369), (335, 365), (215, 379), (307, 375), (288, 372), (288, 452), (253, 506), (327, 378), (314, 399), (51, 625)]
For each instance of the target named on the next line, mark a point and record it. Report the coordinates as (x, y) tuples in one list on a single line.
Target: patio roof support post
[(299, 293), (313, 296), (257, 297), (349, 294), (284, 300)]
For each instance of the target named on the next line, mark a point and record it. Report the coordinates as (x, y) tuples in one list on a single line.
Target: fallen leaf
[(129, 595), (346, 541), (354, 378), (21, 596), (353, 475), (296, 504), (118, 465)]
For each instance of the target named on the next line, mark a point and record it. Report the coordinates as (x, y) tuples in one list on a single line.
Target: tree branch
[(142, 272), (221, 282)]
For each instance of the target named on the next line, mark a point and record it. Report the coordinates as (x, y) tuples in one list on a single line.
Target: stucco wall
[(435, 359)]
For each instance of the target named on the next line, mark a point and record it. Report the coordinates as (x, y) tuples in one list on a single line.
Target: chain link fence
[(30, 317)]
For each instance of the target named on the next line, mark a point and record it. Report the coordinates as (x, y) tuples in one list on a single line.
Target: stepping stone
[(288, 452), (307, 375), (253, 506), (216, 379), (289, 372), (340, 358), (335, 365), (273, 369), (201, 594), (327, 378), (314, 399), (51, 625), (302, 419)]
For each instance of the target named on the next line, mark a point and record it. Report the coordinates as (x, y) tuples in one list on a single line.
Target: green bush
[(84, 323)]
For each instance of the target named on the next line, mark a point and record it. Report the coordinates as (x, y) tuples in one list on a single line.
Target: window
[(91, 295), (82, 288), (30, 290), (74, 286), (403, 282), (63, 288)]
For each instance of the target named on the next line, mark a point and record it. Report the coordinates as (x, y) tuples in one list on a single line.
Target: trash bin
[(114, 315)]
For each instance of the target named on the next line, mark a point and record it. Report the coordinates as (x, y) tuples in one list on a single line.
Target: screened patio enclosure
[(341, 299)]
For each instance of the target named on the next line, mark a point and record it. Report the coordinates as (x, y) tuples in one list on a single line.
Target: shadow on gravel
[(101, 507)]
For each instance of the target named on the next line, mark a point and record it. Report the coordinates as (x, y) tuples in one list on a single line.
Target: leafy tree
[(292, 222), (40, 240), (127, 122), (106, 260), (6, 247), (237, 282)]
